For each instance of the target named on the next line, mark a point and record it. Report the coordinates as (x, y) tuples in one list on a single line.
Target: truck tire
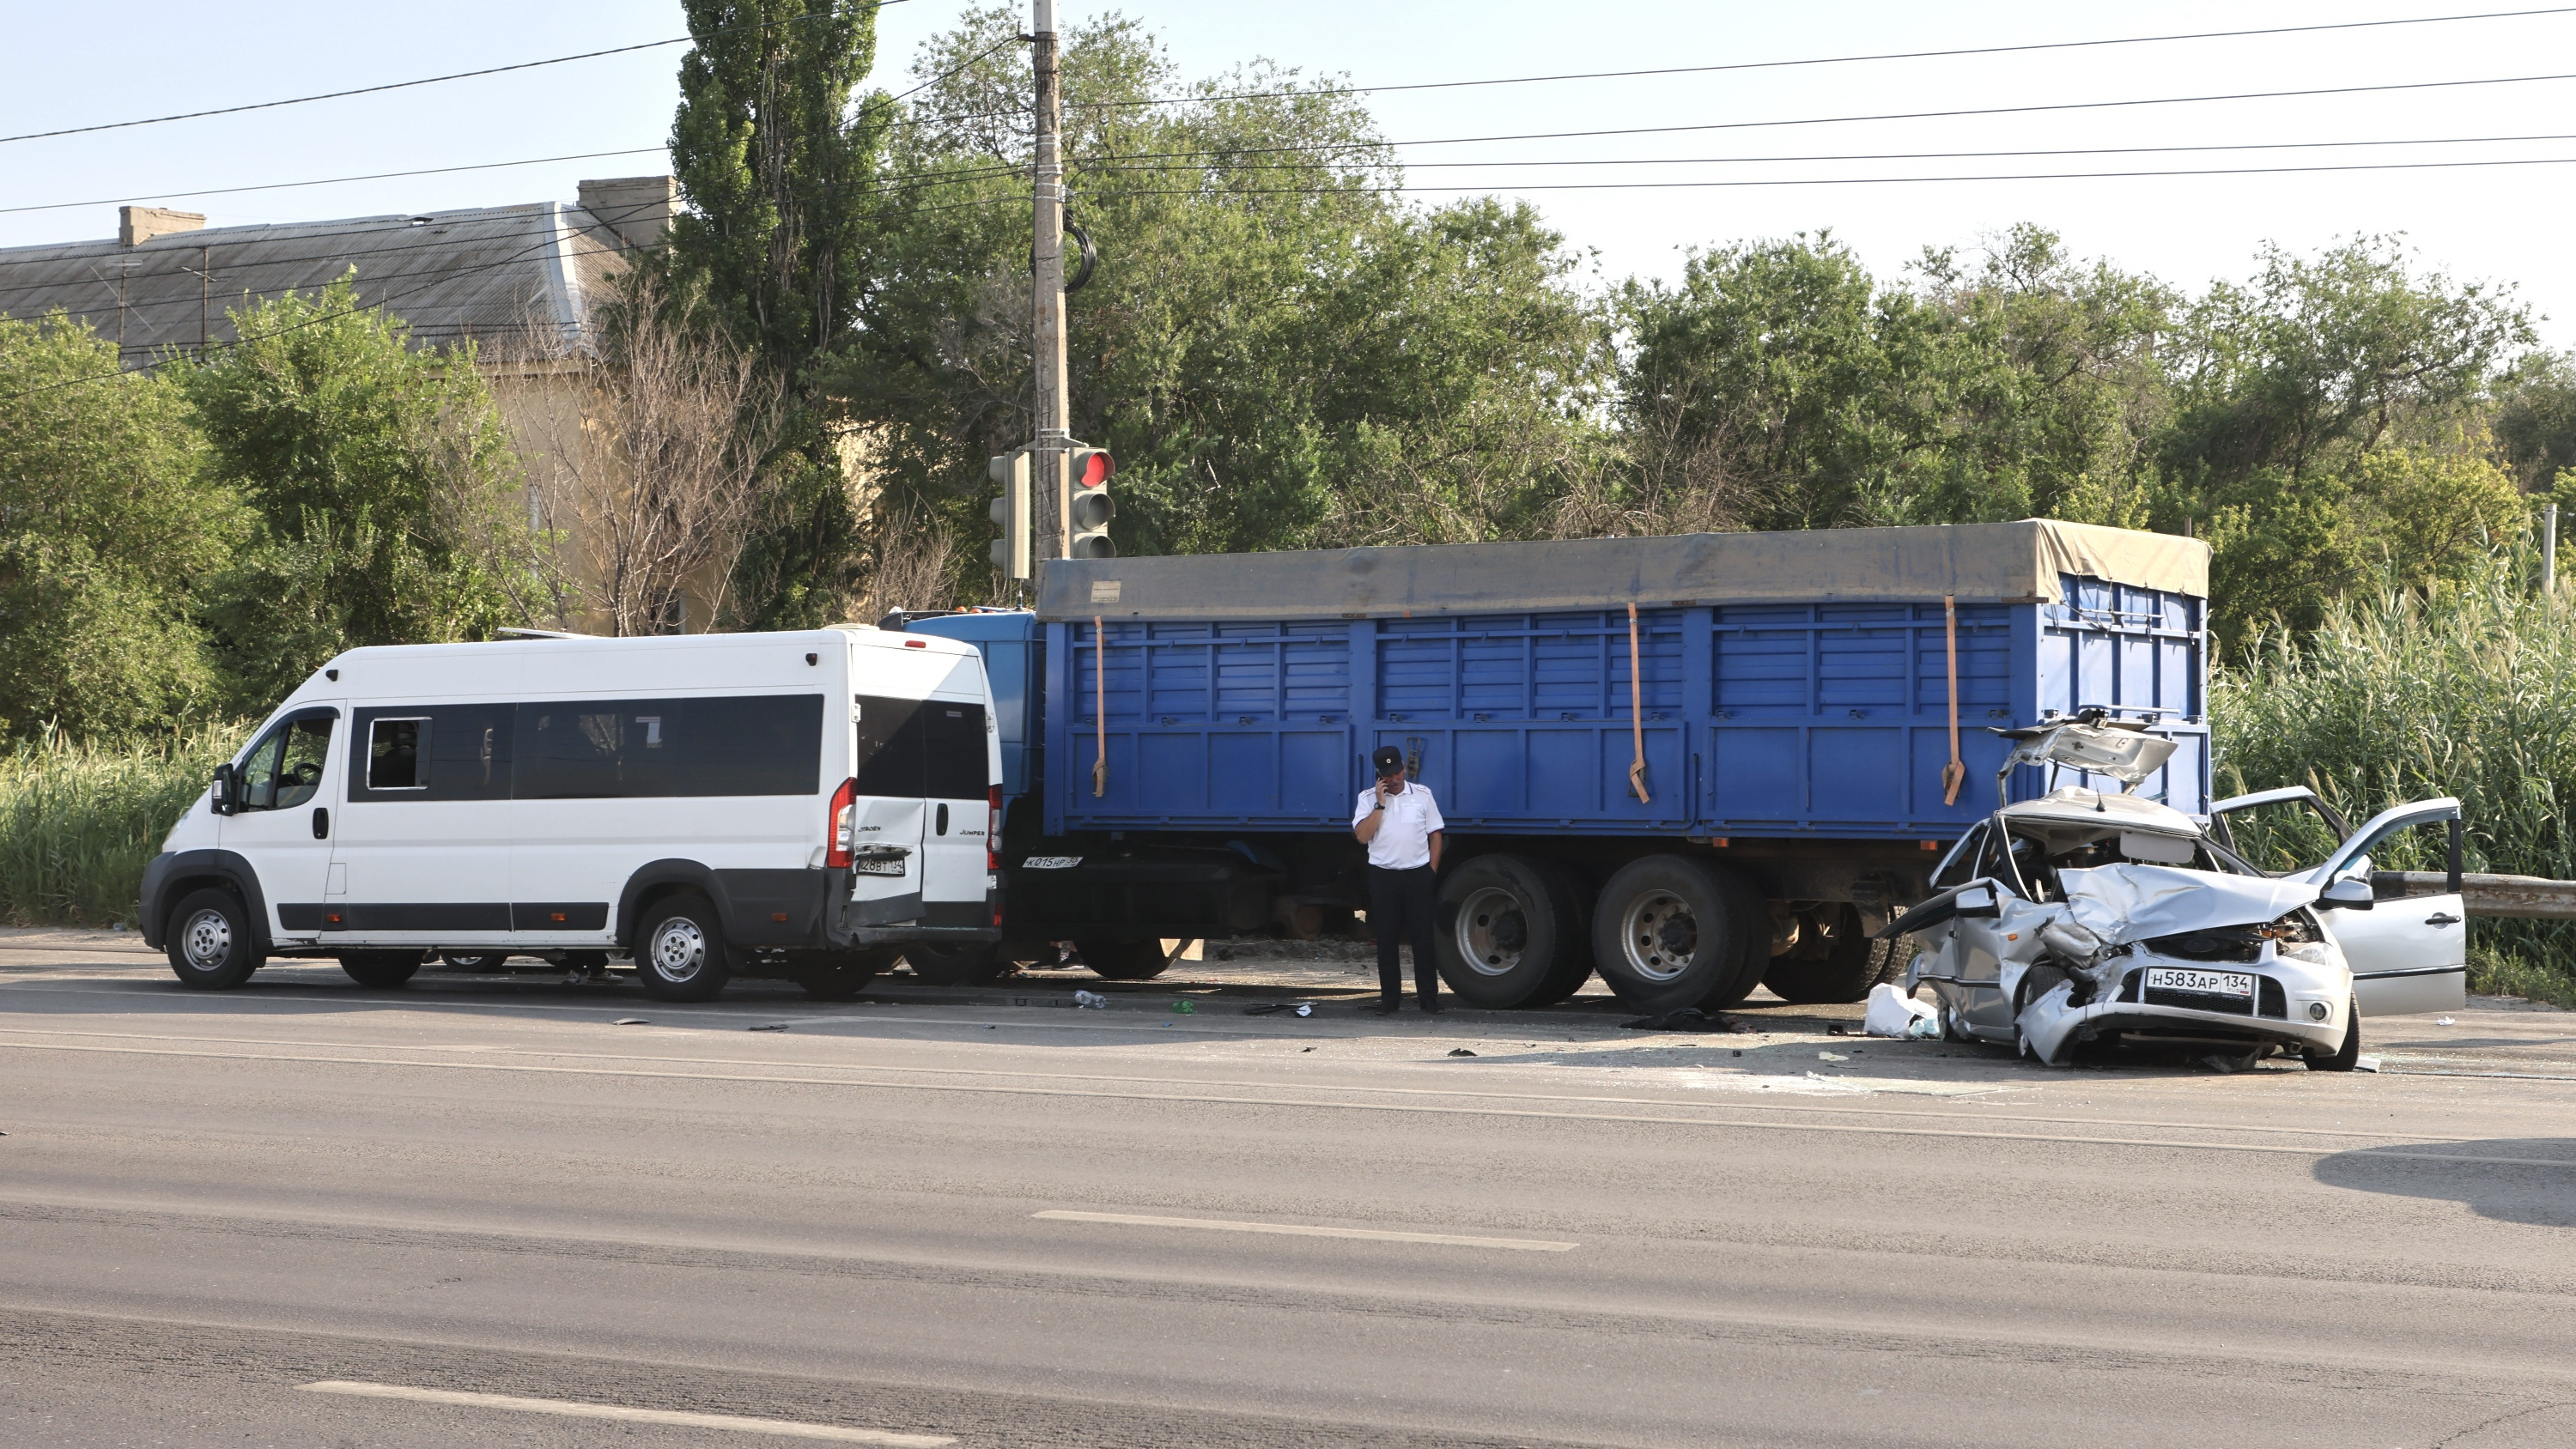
[(1511, 933), (1840, 966), (680, 952), (1124, 960), (380, 970), (1671, 932), (211, 944), (972, 964)]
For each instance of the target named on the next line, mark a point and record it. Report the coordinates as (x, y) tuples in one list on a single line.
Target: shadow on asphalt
[(2542, 1194)]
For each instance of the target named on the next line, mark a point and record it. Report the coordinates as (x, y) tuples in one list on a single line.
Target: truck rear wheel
[(1512, 933), (1841, 965), (1124, 960), (1672, 932)]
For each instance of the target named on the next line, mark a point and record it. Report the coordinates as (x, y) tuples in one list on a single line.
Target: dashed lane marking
[(1309, 1230), (577, 1409)]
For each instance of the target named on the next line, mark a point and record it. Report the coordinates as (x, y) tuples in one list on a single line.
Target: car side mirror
[(2347, 894), (223, 799), (1976, 901)]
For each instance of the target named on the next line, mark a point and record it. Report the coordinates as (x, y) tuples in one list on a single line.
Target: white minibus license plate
[(2208, 983)]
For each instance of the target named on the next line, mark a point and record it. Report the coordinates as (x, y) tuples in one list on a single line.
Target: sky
[(2503, 224)]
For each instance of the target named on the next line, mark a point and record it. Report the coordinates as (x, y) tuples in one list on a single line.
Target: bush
[(2466, 689), (78, 822)]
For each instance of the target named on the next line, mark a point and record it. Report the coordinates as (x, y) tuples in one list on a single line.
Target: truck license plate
[(2207, 983)]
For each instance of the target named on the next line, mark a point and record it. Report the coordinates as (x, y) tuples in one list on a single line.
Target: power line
[(328, 180), (1220, 192), (1836, 120), (390, 85), (1804, 61), (1881, 155)]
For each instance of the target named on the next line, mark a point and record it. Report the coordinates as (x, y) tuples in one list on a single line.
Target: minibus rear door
[(888, 815)]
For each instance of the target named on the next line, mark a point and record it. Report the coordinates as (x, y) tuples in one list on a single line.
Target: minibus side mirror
[(224, 802)]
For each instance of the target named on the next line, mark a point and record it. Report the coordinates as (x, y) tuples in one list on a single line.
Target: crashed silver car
[(2086, 918)]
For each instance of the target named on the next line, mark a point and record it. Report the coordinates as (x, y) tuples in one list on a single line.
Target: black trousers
[(1404, 907)]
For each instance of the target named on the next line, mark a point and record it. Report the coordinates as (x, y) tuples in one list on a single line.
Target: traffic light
[(1092, 510), (1010, 513)]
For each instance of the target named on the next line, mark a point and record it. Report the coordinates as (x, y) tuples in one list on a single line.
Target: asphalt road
[(477, 1212)]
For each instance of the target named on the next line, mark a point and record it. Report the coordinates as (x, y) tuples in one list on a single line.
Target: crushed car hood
[(2125, 903)]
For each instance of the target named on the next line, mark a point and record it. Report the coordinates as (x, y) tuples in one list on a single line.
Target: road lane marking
[(577, 1409), (1420, 1108), (1308, 1230), (1441, 1092)]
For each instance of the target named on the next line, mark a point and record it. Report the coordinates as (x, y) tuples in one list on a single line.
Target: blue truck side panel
[(1826, 720)]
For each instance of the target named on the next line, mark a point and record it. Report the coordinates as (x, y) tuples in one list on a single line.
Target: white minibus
[(802, 805)]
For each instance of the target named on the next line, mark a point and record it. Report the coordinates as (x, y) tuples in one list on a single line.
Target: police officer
[(1400, 824)]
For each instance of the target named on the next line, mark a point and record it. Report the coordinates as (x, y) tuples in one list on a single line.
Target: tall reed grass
[(78, 822), (2469, 691)]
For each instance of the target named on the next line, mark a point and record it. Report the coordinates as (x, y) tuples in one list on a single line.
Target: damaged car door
[(2409, 954)]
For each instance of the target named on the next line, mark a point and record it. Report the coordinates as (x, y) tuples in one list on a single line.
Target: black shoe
[(1433, 1006), (1384, 1008)]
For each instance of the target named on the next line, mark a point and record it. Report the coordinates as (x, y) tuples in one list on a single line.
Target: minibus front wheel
[(680, 953)]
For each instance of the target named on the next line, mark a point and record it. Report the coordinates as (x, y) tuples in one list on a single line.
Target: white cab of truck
[(792, 804)]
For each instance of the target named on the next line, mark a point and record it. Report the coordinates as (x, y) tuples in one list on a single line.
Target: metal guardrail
[(2518, 897)]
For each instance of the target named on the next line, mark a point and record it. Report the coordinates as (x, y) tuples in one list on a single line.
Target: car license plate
[(2207, 983)]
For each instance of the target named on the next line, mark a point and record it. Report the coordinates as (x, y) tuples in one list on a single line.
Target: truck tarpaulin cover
[(1978, 562)]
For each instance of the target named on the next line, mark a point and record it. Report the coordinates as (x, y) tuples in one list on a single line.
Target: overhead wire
[(1950, 53), (408, 84)]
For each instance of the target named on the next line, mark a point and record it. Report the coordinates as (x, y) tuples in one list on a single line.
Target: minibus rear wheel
[(680, 953), (840, 976)]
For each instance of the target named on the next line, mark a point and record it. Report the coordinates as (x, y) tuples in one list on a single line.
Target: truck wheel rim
[(1659, 935), (208, 940), (679, 949), (1492, 932)]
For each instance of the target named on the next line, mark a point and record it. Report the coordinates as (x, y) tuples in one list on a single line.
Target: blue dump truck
[(1693, 764)]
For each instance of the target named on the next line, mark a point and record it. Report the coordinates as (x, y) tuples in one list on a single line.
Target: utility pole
[(2549, 551), (1052, 487)]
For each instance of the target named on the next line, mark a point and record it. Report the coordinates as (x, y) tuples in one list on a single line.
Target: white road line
[(576, 1409), (1422, 1108), (1308, 1230)]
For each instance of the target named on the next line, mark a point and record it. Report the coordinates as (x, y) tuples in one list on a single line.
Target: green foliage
[(779, 170), (368, 465), (2467, 688), (105, 523), (1809, 396), (78, 822), (1278, 355)]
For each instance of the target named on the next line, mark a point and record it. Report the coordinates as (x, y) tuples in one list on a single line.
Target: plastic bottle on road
[(1090, 1001)]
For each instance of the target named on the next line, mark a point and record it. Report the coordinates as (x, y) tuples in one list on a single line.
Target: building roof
[(486, 273)]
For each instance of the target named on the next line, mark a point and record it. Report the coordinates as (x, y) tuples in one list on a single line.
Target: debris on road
[(1460, 1052), (1895, 1013), (1267, 1008), (1831, 1057), (2446, 1021), (1090, 1001), (1689, 1018), (2365, 1064), (1183, 1007), (768, 1026), (630, 1021)]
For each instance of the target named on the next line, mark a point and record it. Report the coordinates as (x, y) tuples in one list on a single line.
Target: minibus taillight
[(993, 829), (843, 823)]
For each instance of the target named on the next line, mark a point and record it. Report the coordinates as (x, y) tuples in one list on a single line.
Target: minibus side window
[(397, 757), (595, 749), (758, 744)]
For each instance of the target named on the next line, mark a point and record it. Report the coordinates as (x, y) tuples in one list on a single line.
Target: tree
[(1278, 352), (368, 465), (777, 167), (658, 457), (106, 521)]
